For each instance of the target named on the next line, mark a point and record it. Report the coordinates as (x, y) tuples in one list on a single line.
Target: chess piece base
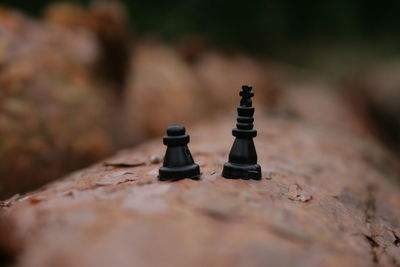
[(241, 171), (178, 173)]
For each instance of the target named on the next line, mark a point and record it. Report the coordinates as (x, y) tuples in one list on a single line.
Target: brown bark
[(328, 197)]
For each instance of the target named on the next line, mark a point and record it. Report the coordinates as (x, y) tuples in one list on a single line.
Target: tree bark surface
[(327, 197)]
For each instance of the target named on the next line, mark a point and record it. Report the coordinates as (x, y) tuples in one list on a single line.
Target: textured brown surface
[(327, 198), (53, 115)]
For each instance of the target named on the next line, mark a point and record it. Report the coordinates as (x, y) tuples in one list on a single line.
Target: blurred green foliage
[(263, 27)]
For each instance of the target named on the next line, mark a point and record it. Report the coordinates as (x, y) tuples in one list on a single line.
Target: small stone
[(296, 193), (155, 159)]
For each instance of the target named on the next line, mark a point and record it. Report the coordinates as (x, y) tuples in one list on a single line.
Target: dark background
[(282, 29)]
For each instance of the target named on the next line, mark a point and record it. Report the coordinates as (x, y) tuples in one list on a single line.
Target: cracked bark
[(328, 197), (369, 220), (378, 251)]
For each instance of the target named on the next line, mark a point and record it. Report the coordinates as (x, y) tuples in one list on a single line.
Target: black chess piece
[(242, 162), (178, 162)]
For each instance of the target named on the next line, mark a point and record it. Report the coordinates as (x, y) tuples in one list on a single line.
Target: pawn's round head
[(176, 130)]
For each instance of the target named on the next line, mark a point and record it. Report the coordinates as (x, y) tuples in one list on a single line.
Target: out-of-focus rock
[(163, 90), (66, 14), (108, 21), (376, 94), (168, 88), (192, 48), (53, 116), (319, 102), (222, 75)]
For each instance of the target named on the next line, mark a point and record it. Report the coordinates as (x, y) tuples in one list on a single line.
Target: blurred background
[(280, 29), (81, 79)]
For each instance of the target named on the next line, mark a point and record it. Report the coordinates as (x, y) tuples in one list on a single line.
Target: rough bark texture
[(327, 198)]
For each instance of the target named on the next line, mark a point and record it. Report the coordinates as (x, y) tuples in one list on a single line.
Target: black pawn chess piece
[(242, 162), (178, 162)]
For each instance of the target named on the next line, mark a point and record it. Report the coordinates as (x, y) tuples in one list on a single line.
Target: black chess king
[(242, 162)]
